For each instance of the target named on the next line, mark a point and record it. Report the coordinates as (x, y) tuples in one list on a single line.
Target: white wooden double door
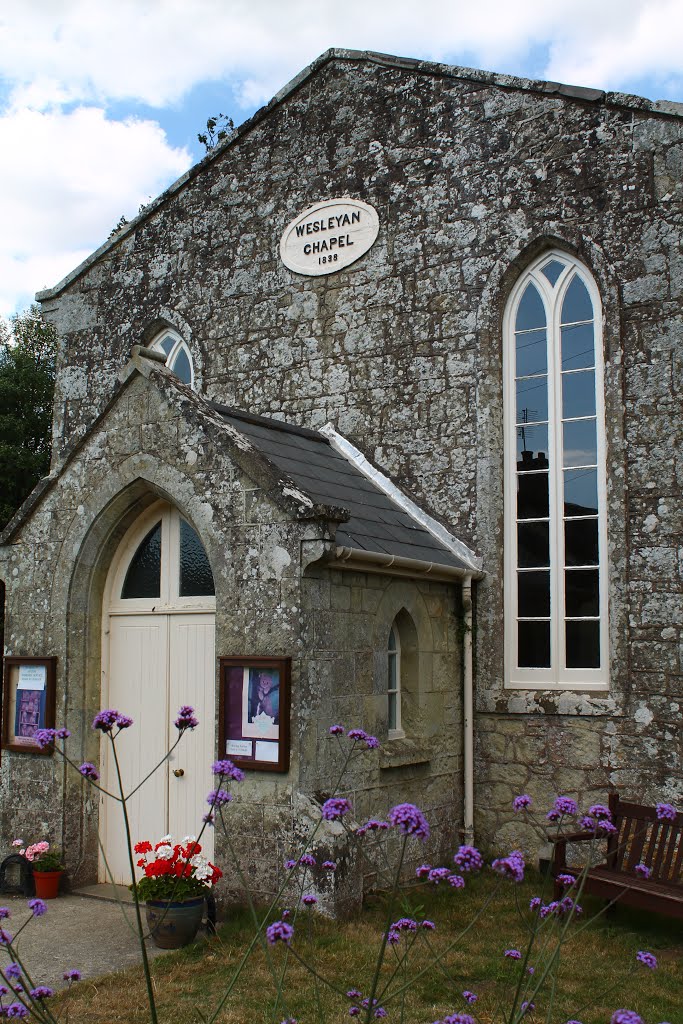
[(160, 655)]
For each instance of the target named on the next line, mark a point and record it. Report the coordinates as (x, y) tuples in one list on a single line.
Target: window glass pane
[(181, 367), (143, 578), (392, 700), (578, 394), (580, 492), (196, 578), (533, 545), (581, 542), (392, 672), (583, 644), (533, 594), (581, 592), (166, 344), (533, 644), (392, 640), (553, 270), (577, 304), (580, 443), (532, 446), (532, 495), (530, 313), (578, 346), (532, 399), (532, 353)]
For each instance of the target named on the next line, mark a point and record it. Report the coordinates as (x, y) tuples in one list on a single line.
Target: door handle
[(178, 772)]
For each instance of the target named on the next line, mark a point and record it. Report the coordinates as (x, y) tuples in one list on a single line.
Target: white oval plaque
[(329, 236)]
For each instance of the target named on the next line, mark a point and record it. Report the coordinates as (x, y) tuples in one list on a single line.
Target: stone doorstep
[(106, 891)]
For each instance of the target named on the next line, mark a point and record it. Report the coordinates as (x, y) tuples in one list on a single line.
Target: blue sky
[(100, 103)]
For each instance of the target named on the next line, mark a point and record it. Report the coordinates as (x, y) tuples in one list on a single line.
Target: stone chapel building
[(440, 472)]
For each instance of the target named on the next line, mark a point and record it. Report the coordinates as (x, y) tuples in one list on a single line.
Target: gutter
[(396, 565)]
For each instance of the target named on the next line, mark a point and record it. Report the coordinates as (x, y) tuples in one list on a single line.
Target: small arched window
[(394, 683), (178, 355), (555, 480)]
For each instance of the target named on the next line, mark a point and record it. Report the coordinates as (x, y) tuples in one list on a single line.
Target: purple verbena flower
[(456, 881), (666, 812), (469, 997), (89, 771), (72, 975), (423, 870), (307, 860), (353, 993), (522, 802), (330, 865), (380, 1012), (279, 931), (429, 925), (44, 737), (437, 875), (409, 820), (357, 735), (606, 828), (289, 864), (587, 824), (354, 1011), (4, 991), (528, 1007), (626, 1017), (335, 808), (41, 992), (468, 858), (4, 913), (107, 719), (209, 819), (16, 1010), (186, 719), (5, 938), (647, 959), (457, 1018), (565, 805), (553, 816), (228, 769), (512, 954), (565, 879), (39, 907), (218, 798), (336, 730), (642, 870), (13, 971), (405, 924), (600, 812), (511, 866), (534, 903), (309, 901)]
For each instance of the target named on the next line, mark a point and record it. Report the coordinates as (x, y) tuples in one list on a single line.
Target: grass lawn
[(598, 971)]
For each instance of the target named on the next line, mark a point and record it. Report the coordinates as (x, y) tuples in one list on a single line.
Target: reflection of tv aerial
[(521, 430)]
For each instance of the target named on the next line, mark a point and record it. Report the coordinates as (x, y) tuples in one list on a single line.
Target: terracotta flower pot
[(173, 925), (47, 884)]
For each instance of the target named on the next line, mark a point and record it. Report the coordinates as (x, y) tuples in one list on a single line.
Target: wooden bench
[(640, 839)]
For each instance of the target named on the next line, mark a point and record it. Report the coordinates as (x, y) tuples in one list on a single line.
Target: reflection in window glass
[(533, 545), (577, 305), (532, 353), (533, 644), (532, 399), (143, 578), (196, 578), (581, 492), (393, 683), (580, 443), (532, 496), (181, 367), (578, 346), (578, 394), (553, 270)]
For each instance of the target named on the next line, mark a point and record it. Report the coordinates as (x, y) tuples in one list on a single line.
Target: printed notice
[(266, 751), (32, 677), (239, 748)]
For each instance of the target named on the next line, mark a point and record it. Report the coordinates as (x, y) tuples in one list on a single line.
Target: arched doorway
[(157, 654)]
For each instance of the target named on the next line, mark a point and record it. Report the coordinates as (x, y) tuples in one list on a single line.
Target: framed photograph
[(254, 712), (28, 702)]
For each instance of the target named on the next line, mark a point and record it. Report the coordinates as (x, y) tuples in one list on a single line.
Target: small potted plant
[(177, 878), (47, 867)]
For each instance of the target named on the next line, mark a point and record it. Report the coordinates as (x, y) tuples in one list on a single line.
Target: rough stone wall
[(471, 177)]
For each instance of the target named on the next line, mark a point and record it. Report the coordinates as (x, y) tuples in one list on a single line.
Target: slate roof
[(377, 523)]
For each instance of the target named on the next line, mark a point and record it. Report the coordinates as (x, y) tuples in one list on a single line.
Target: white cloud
[(65, 179), (155, 51)]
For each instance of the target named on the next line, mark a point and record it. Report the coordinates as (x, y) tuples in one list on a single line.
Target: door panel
[(191, 672), (137, 687)]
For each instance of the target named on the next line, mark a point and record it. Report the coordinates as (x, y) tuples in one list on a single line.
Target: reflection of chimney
[(529, 462)]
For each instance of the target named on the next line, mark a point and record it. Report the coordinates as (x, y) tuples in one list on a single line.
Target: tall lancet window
[(556, 532)]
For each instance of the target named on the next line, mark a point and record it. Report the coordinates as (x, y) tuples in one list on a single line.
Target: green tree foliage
[(27, 380), (218, 129)]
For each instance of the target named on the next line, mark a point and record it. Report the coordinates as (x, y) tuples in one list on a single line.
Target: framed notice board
[(253, 728), (28, 702)]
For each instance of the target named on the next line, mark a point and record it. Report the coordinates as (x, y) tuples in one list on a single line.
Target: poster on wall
[(28, 702), (254, 712)]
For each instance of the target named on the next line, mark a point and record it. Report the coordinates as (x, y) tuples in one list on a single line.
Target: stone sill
[(397, 753)]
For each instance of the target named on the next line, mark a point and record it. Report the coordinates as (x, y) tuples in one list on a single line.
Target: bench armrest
[(560, 848)]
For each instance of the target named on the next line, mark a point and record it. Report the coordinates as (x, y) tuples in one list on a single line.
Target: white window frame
[(178, 346), (169, 598), (395, 691), (558, 676)]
